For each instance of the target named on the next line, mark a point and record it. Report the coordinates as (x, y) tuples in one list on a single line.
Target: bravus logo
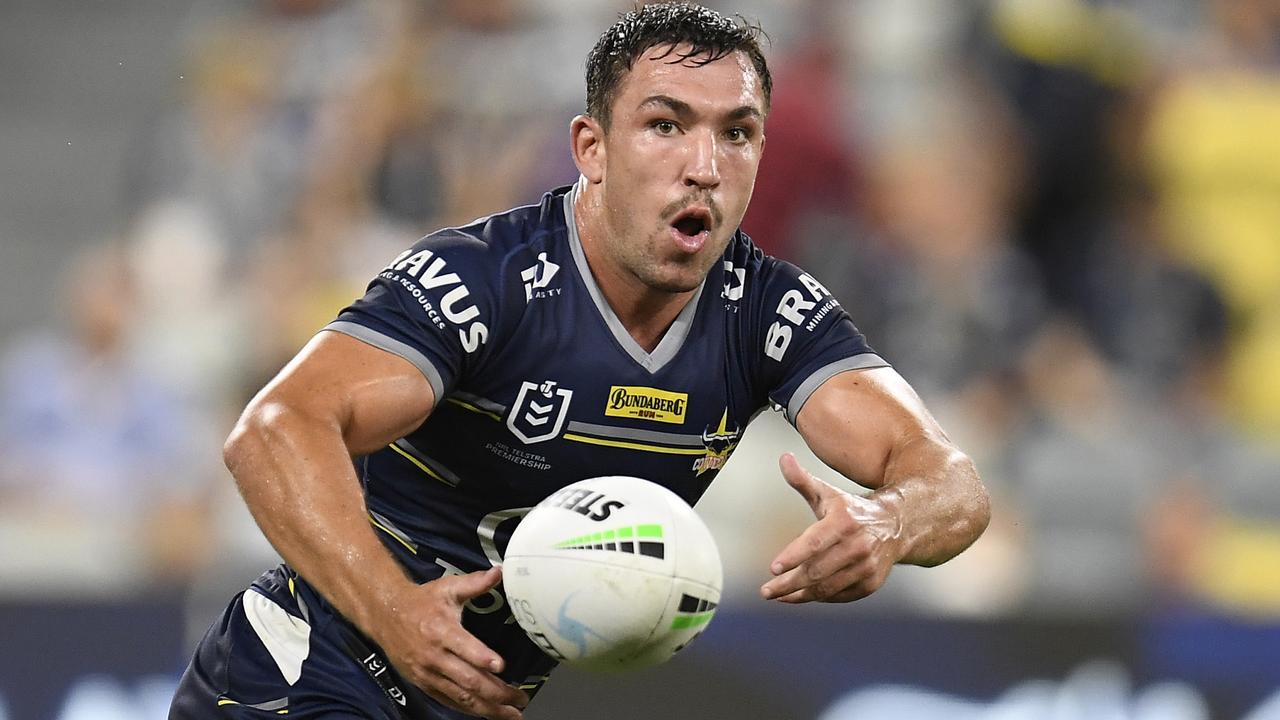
[(792, 308), (428, 269)]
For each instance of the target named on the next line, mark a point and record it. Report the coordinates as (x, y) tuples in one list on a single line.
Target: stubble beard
[(646, 262), (682, 277)]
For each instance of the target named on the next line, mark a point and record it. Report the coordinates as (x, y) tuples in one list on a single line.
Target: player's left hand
[(846, 555)]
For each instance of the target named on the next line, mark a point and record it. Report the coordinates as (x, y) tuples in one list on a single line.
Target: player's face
[(680, 162)]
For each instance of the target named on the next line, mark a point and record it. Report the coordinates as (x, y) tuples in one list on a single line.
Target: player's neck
[(644, 311)]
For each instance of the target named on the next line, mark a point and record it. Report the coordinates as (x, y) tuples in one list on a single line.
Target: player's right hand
[(424, 639)]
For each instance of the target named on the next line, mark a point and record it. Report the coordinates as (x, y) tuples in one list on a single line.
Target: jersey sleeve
[(433, 305), (804, 336)]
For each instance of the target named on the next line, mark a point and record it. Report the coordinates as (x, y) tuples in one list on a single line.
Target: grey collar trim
[(675, 336)]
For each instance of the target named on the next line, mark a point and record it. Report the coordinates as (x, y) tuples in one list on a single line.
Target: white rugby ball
[(612, 573)]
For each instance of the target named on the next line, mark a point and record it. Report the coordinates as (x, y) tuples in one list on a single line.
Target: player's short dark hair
[(708, 35)]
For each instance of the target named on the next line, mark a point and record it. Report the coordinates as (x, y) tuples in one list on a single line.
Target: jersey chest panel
[(563, 401)]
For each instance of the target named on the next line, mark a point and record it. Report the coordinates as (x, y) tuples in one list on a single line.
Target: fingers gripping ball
[(612, 573)]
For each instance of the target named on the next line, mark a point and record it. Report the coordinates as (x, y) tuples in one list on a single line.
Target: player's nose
[(702, 170)]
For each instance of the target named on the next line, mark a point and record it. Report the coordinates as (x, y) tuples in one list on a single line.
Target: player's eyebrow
[(684, 110), (743, 112)]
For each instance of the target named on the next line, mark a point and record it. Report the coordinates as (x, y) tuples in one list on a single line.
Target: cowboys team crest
[(719, 444), (539, 411)]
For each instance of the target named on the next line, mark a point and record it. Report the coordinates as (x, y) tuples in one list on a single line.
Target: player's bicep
[(855, 419), (373, 396)]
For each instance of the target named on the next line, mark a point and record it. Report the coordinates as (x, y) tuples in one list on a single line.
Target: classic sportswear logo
[(538, 277), (735, 282), (647, 403)]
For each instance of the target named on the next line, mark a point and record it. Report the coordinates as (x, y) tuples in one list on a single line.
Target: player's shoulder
[(777, 301), (750, 273), (467, 277), (485, 258), (488, 242)]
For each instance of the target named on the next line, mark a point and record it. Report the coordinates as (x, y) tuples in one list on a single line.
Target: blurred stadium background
[(1059, 218)]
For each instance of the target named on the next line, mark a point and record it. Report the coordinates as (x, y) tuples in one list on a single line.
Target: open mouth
[(692, 225)]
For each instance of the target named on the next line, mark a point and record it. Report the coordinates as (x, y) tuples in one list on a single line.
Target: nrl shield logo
[(538, 412)]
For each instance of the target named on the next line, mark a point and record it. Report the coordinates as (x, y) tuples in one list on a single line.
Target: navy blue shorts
[(280, 649)]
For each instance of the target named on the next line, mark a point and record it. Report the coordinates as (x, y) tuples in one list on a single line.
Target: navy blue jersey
[(538, 385)]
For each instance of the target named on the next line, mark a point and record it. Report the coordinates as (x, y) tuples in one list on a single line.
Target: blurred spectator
[(502, 130), (1154, 316), (1214, 156), (322, 260), (242, 147), (1214, 541), (903, 58), (1067, 68), (99, 458), (938, 284), (187, 316), (1087, 464), (808, 167)]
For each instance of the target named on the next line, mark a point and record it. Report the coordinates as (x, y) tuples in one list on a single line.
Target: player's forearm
[(298, 482), (935, 491)]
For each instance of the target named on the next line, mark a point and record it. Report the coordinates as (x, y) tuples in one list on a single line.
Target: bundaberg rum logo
[(647, 403)]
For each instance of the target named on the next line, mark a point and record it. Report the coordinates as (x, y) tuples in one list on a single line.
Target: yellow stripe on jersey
[(229, 701), (634, 445), (468, 406), (421, 467), (374, 521)]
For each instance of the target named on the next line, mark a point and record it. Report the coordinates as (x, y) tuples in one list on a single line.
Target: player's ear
[(587, 138)]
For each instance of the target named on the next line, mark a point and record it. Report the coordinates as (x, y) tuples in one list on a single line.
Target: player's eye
[(738, 135), (664, 127)]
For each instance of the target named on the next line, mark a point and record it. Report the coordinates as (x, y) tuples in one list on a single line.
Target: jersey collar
[(671, 341)]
